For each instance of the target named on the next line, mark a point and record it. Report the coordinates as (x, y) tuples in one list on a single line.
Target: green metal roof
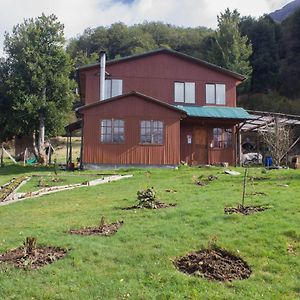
[(216, 112)]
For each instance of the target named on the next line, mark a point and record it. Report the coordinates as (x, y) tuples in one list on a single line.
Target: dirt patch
[(214, 264), (170, 191), (154, 205), (42, 256), (106, 229), (257, 194), (245, 210), (259, 178)]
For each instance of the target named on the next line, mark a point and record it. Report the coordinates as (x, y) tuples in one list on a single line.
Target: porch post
[(81, 146), (67, 154), (238, 148), (70, 154)]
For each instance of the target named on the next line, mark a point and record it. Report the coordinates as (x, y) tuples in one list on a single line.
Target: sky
[(78, 15)]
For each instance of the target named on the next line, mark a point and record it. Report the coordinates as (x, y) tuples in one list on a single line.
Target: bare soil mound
[(106, 229), (154, 205), (245, 210), (214, 264), (42, 256)]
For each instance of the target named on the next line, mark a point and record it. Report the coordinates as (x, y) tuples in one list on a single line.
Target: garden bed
[(41, 256), (8, 189), (245, 210), (214, 264), (154, 205), (105, 230)]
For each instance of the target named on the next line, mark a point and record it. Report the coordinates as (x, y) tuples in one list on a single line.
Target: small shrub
[(147, 197)]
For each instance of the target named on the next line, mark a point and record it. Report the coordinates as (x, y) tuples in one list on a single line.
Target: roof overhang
[(74, 126), (263, 120), (216, 112)]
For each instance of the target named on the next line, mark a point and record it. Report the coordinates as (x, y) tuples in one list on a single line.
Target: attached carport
[(265, 121)]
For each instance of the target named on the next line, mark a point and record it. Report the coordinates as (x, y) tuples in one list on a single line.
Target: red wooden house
[(158, 108)]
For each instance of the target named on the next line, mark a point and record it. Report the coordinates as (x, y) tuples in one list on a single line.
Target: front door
[(200, 146)]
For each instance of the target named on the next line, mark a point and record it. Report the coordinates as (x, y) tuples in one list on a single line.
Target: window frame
[(112, 131), (185, 99), (224, 142), (152, 133), (110, 92), (215, 100)]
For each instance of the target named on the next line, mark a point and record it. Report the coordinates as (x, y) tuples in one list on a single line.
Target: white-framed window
[(112, 131), (222, 137), (151, 132), (113, 87), (184, 92), (215, 93)]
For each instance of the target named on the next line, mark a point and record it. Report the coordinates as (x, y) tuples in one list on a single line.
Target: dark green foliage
[(272, 102), (120, 40), (290, 57), (264, 36), (37, 81)]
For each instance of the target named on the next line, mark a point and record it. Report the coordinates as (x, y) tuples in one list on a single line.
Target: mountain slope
[(281, 14)]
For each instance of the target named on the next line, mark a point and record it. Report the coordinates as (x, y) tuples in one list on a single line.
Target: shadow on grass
[(19, 169)]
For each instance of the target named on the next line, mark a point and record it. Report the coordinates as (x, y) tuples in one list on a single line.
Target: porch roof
[(216, 112)]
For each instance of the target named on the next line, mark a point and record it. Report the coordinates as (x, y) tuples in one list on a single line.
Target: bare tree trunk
[(41, 140), (34, 147)]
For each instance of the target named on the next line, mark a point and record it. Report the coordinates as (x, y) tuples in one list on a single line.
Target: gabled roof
[(133, 93), (175, 53), (216, 112)]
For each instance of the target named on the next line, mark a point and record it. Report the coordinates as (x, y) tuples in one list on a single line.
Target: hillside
[(281, 14)]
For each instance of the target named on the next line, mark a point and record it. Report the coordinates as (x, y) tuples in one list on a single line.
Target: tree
[(229, 49), (277, 137), (39, 88), (290, 57), (264, 35)]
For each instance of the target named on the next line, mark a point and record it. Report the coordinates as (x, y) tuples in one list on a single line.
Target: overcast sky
[(77, 15)]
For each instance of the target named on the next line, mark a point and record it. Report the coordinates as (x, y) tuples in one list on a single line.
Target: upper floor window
[(113, 87), (152, 132), (112, 131), (216, 94), (222, 138), (184, 92)]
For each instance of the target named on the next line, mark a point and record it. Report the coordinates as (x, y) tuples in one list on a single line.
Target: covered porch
[(209, 134)]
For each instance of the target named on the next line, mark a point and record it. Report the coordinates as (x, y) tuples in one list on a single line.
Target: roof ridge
[(171, 51)]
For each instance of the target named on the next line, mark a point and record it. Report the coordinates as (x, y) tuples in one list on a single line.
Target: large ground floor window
[(222, 137), (151, 132), (112, 131)]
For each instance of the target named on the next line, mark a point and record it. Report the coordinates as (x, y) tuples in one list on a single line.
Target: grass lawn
[(136, 263)]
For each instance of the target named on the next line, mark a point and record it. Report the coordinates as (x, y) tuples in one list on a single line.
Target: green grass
[(136, 263)]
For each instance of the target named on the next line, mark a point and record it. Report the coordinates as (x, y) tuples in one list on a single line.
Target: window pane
[(217, 137), (220, 93), (190, 92), (116, 87), (105, 138), (179, 91), (210, 93), (107, 90)]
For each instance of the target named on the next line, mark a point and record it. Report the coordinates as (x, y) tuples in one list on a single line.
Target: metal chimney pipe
[(102, 74)]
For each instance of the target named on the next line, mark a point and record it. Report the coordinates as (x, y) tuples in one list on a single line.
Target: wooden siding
[(155, 76), (199, 151), (132, 110)]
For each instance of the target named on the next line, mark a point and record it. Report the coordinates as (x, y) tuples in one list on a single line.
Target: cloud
[(80, 14)]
